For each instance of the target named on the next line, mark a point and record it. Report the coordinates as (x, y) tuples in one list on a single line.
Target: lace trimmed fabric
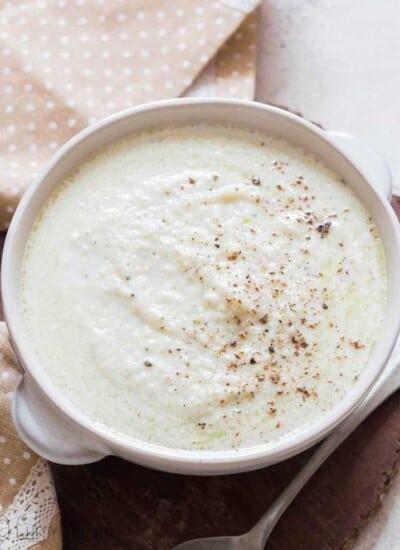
[(28, 503), (27, 521)]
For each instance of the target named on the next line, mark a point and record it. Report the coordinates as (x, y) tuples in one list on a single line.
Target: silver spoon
[(255, 539)]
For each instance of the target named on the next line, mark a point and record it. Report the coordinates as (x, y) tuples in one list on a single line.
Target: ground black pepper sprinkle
[(324, 228)]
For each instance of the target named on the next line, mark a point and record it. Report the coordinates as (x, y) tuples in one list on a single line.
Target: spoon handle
[(387, 384)]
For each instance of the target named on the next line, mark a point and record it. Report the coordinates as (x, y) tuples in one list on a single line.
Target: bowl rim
[(139, 450)]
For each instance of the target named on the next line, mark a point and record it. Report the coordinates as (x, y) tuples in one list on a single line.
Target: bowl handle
[(47, 432), (370, 163)]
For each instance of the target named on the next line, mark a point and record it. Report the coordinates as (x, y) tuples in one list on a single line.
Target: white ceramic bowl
[(57, 430)]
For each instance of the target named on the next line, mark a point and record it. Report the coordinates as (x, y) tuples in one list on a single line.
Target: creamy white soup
[(204, 287)]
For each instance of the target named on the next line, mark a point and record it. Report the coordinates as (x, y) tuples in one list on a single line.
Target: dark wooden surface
[(116, 505)]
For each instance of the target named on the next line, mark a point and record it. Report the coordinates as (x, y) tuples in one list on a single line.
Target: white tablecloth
[(338, 63)]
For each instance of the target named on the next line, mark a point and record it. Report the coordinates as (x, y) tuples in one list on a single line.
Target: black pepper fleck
[(323, 228)]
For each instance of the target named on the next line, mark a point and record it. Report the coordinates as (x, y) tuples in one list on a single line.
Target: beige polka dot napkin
[(64, 64)]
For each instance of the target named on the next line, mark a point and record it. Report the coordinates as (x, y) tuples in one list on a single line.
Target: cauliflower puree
[(204, 287)]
